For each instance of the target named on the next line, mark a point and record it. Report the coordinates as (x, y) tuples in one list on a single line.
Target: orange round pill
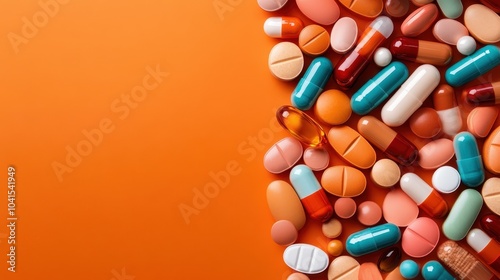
[(345, 207), (333, 107), (335, 248), (369, 213), (284, 233), (314, 40), (425, 123)]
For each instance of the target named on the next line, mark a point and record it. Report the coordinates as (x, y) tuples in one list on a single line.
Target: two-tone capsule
[(483, 94), (393, 144), (420, 51), (447, 108), (311, 193), (352, 65), (283, 27), (426, 197), (312, 83), (378, 88)]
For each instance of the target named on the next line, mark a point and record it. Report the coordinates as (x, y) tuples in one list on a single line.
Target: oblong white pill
[(305, 258)]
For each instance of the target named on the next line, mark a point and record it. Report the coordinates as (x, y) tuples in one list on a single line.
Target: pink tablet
[(420, 237)]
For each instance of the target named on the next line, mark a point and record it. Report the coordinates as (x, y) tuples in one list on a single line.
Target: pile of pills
[(375, 153)]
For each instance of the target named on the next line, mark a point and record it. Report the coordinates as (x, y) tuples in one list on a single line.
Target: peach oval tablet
[(284, 233), (449, 31), (395, 275), (345, 207), (271, 5), (369, 213), (344, 35), (366, 8), (286, 61), (420, 20), (397, 8), (480, 121), (491, 194), (333, 107), (314, 40), (297, 276), (343, 268), (353, 147), (481, 22), (385, 173), (398, 208), (324, 12), (332, 228), (343, 181), (316, 158), (491, 152), (283, 155), (420, 237), (425, 123), (369, 271), (285, 204), (436, 153)]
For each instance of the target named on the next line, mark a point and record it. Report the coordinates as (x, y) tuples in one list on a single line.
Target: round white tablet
[(466, 45), (382, 57), (446, 179)]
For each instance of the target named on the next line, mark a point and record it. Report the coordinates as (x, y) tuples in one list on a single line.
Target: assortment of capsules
[(374, 152)]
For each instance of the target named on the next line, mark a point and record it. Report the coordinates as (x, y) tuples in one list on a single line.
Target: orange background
[(114, 211)]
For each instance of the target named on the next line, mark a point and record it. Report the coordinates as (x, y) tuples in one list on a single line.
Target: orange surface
[(118, 115)]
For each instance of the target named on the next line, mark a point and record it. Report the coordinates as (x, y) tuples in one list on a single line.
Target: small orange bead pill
[(335, 248)]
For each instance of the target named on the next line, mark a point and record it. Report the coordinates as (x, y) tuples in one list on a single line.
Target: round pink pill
[(420, 237), (369, 213), (345, 207), (284, 233), (316, 158)]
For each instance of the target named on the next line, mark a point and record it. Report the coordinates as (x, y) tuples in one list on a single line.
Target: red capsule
[(491, 225), (483, 94)]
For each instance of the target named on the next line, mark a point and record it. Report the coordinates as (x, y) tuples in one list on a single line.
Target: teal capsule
[(312, 83), (473, 66), (469, 161), (378, 88), (434, 270), (462, 215), (372, 239)]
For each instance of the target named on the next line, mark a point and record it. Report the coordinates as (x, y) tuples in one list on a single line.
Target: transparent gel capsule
[(389, 259), (301, 126)]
